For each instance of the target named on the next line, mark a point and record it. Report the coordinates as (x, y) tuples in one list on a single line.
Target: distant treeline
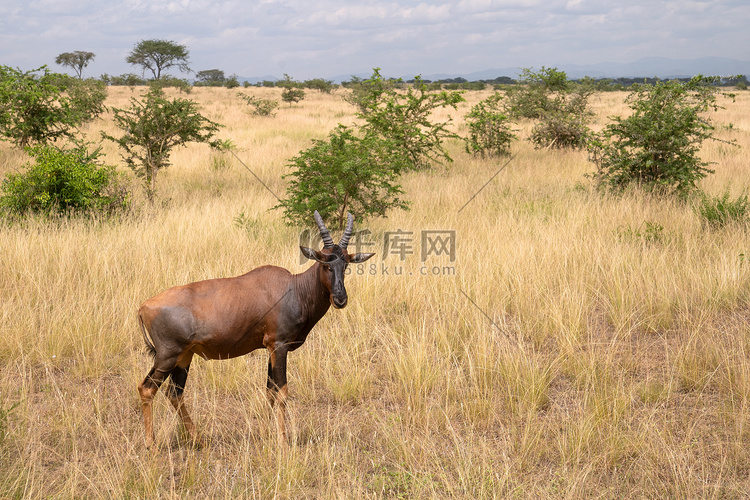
[(459, 83)]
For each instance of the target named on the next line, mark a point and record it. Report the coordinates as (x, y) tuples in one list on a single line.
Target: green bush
[(153, 127), (405, 118), (344, 174), (560, 107), (657, 145), (720, 211), (41, 108), (261, 107), (63, 181), (489, 131), (87, 98), (561, 128), (166, 81), (320, 84), (292, 95), (533, 95)]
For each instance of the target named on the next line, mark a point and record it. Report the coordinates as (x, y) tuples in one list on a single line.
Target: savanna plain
[(575, 345)]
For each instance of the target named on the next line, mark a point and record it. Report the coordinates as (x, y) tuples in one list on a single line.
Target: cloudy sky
[(327, 38)]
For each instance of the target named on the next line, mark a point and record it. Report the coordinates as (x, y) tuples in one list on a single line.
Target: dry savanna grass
[(579, 345)]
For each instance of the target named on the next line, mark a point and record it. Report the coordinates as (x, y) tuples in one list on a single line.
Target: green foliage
[(405, 118), (75, 60), (170, 81), (232, 82), (63, 181), (87, 98), (560, 107), (531, 98), (126, 79), (261, 107), (34, 108), (489, 131), (155, 126), (292, 95), (657, 145), (210, 78), (364, 92), (292, 92), (319, 84), (344, 173), (159, 55), (720, 211), (564, 123)]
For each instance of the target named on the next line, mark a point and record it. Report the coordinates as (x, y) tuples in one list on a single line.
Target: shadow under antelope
[(229, 317)]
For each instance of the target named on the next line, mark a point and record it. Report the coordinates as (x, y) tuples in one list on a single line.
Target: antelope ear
[(358, 258), (315, 255)]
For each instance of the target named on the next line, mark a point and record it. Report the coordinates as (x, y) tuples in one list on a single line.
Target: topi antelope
[(229, 317)]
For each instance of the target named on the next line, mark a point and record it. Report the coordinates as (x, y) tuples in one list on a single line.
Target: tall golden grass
[(578, 346)]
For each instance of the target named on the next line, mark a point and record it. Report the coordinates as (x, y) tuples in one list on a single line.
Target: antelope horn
[(327, 240), (347, 231)]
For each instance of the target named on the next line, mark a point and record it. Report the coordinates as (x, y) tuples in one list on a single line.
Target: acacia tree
[(155, 126), (211, 77), (291, 93), (159, 55), (75, 60)]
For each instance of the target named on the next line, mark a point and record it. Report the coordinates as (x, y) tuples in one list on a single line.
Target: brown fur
[(229, 317)]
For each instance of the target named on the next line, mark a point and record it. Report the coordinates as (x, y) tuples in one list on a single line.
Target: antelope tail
[(149, 345)]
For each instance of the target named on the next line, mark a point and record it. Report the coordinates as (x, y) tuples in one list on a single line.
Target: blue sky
[(327, 38)]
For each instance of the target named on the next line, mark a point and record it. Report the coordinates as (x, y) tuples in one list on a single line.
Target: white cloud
[(329, 37)]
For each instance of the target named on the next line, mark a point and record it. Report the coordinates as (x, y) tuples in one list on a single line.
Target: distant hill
[(660, 67)]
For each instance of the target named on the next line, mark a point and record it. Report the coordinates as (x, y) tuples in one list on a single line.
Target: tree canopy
[(39, 107), (159, 55), (211, 77), (75, 60)]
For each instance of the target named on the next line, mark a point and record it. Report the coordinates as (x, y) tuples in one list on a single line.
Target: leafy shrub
[(34, 108), (531, 98), (560, 106), (87, 98), (657, 145), (405, 118), (320, 84), (345, 173), (153, 128), (232, 82), (720, 211), (166, 81), (63, 181), (489, 130), (561, 129), (129, 79), (261, 107), (363, 92), (292, 92), (292, 95)]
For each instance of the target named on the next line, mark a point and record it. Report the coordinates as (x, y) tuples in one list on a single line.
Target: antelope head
[(334, 259)]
